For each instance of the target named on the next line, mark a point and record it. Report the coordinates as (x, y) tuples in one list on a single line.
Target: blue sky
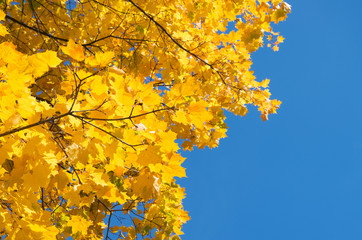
[(299, 175)]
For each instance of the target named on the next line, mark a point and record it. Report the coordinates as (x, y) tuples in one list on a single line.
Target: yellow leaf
[(280, 39), (151, 155), (19, 80), (99, 177), (3, 31), (276, 48), (100, 59), (199, 114), (37, 177), (41, 62), (115, 229), (2, 15), (167, 141), (74, 50), (265, 83), (50, 58), (180, 116), (115, 196), (118, 171), (146, 185), (38, 67), (97, 86), (79, 224), (47, 233)]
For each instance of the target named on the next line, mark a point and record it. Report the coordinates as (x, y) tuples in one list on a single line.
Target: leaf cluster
[(95, 95)]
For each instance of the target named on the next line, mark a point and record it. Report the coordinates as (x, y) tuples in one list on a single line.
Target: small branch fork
[(151, 18), (182, 47), (128, 209), (58, 134), (85, 45), (48, 120), (52, 121)]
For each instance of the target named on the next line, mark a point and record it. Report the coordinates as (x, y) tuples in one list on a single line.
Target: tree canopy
[(98, 96)]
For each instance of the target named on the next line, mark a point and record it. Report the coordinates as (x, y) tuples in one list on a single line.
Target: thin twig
[(109, 210), (110, 134), (35, 29), (34, 124), (42, 198), (180, 46), (124, 118), (76, 173)]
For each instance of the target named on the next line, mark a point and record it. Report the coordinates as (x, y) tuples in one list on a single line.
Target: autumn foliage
[(95, 96)]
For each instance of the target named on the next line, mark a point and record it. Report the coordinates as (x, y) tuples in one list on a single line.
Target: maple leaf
[(74, 50), (100, 59), (79, 224)]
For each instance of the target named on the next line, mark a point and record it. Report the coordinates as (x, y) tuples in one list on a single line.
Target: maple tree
[(94, 95)]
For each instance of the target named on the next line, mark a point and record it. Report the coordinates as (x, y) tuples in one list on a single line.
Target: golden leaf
[(74, 50)]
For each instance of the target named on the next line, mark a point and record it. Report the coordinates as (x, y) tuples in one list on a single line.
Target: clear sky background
[(297, 176)]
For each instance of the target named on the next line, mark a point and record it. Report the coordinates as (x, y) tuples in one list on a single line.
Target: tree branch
[(34, 124), (124, 118), (35, 29), (110, 134), (182, 47)]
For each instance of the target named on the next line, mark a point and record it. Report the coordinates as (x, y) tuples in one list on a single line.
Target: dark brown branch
[(124, 118), (168, 34), (109, 210), (42, 32), (140, 216), (49, 120), (35, 29), (109, 218), (77, 89), (90, 110), (108, 224), (117, 37), (60, 146), (180, 46), (42, 198), (76, 173)]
